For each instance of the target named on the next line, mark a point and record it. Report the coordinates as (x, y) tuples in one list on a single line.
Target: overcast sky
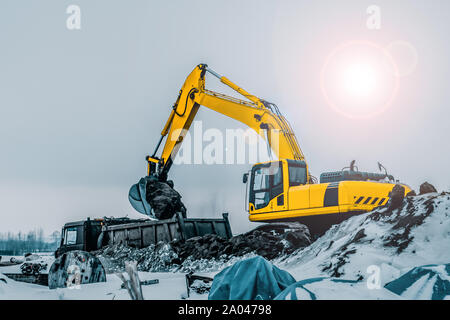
[(80, 109)]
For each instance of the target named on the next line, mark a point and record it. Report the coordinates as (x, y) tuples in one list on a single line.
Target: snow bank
[(383, 242)]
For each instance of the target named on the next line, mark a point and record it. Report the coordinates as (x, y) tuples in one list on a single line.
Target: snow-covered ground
[(171, 286), (381, 243), (43, 258)]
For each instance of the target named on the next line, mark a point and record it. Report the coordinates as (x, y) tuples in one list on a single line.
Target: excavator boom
[(260, 115)]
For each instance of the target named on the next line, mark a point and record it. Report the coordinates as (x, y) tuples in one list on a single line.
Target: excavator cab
[(270, 182)]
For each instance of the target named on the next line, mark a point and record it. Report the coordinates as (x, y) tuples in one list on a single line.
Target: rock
[(426, 188), (396, 197), (412, 193), (359, 235)]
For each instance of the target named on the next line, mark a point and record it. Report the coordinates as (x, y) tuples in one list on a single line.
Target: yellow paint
[(349, 192)]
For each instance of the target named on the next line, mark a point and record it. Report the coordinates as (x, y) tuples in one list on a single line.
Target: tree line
[(32, 241)]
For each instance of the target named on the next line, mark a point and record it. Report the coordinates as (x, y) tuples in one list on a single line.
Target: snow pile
[(385, 243)]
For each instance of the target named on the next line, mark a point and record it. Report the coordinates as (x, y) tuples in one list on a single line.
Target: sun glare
[(359, 79)]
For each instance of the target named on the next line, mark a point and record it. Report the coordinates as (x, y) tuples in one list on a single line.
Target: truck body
[(91, 235)]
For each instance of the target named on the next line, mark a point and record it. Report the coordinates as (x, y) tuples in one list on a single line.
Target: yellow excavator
[(278, 190)]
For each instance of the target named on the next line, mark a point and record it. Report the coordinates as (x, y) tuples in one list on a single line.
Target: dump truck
[(94, 234)]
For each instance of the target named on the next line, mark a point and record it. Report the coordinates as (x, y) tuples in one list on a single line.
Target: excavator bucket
[(137, 197), (155, 198)]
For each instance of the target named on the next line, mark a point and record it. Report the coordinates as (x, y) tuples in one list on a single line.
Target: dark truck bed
[(94, 234), (143, 234)]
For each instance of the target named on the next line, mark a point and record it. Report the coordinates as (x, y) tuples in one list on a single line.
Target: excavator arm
[(260, 115)]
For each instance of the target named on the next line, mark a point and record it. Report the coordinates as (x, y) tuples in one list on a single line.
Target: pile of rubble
[(268, 241), (154, 258), (209, 252)]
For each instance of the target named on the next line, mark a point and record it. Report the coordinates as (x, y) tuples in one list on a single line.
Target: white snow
[(170, 286), (329, 290)]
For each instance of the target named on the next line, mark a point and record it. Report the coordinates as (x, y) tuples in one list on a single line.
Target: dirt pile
[(164, 199), (210, 251), (268, 241)]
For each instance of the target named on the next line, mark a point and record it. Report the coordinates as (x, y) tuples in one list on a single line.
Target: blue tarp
[(250, 279), (290, 293), (425, 282)]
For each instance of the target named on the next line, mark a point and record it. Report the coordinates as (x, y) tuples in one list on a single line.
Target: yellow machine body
[(295, 200)]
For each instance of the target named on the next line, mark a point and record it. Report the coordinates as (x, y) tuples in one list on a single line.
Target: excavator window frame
[(274, 189), (297, 164)]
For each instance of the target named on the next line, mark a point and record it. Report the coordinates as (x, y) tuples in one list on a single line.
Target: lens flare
[(359, 79)]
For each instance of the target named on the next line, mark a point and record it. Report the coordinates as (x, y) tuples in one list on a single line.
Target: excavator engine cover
[(347, 175)]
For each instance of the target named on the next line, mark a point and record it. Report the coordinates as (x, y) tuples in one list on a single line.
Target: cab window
[(297, 175), (70, 236), (267, 183), (73, 235)]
